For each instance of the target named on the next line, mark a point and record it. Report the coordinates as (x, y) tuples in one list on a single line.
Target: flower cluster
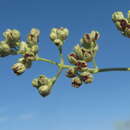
[(81, 55), (43, 84), (28, 50), (58, 35), (9, 44), (122, 23)]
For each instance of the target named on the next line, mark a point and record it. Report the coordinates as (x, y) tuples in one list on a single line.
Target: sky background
[(97, 106)]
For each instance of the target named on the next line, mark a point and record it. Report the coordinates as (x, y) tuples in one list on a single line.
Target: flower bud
[(71, 72), (88, 55), (54, 30), (58, 42), (34, 49), (44, 90), (86, 77), (78, 51), (53, 36), (73, 58), (94, 35), (127, 32), (18, 68), (5, 50), (62, 33), (81, 65), (35, 83), (29, 56), (22, 47), (76, 82), (123, 24), (117, 16), (89, 40), (42, 80), (118, 25), (35, 32), (11, 35), (86, 39), (33, 37)]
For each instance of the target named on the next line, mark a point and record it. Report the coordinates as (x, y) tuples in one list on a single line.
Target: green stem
[(60, 66), (53, 62), (92, 70), (112, 69)]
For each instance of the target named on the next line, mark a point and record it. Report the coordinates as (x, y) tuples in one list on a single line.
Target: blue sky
[(98, 106)]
